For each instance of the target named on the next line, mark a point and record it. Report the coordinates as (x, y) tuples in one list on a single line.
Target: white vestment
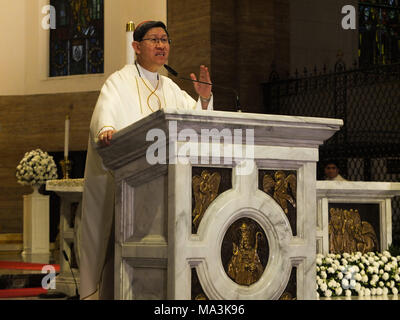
[(337, 178), (123, 100)]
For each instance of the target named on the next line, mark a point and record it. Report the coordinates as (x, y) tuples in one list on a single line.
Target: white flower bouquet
[(359, 274), (36, 168)]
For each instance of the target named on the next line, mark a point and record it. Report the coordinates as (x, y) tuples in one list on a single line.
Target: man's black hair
[(143, 27), (331, 161)]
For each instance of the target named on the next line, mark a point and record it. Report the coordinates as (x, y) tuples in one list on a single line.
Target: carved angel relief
[(347, 233), (280, 185), (205, 190)]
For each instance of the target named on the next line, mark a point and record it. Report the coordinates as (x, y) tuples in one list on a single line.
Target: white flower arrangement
[(359, 274), (36, 168)]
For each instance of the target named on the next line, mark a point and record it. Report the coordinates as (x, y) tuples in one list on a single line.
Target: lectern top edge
[(229, 119), (251, 116)]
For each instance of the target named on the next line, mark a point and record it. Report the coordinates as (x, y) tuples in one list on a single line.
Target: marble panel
[(147, 282), (149, 219), (204, 249)]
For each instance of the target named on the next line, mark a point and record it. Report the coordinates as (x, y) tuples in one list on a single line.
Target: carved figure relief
[(205, 190), (347, 233), (279, 186), (245, 266)]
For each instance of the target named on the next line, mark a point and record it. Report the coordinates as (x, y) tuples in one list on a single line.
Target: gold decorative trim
[(152, 92), (66, 166), (66, 183), (140, 99)]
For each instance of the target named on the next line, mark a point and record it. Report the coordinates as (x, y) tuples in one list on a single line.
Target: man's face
[(331, 171), (152, 56)]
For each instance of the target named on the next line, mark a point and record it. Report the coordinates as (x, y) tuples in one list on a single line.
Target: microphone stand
[(76, 296), (174, 73)]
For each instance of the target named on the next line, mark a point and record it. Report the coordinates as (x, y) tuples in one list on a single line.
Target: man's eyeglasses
[(154, 41)]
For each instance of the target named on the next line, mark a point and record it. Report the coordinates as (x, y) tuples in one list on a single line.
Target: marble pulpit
[(216, 205)]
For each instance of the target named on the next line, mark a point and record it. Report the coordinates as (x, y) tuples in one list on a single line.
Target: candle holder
[(130, 26), (66, 166)]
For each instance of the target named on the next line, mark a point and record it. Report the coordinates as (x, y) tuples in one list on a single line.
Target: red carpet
[(25, 266), (25, 292)]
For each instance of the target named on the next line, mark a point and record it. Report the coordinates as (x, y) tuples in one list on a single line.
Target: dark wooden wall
[(237, 39), (31, 122), (189, 28)]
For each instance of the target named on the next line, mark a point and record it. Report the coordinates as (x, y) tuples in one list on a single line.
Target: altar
[(354, 216), (216, 205), (70, 193)]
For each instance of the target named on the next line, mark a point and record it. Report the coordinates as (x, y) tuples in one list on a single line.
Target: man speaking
[(127, 96)]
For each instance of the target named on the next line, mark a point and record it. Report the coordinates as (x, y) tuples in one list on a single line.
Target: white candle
[(130, 53), (66, 137)]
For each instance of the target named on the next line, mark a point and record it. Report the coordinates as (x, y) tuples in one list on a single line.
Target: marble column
[(36, 233)]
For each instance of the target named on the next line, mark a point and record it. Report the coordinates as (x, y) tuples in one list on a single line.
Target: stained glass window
[(379, 32), (77, 43)]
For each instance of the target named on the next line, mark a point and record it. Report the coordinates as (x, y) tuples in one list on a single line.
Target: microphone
[(175, 74), (76, 296)]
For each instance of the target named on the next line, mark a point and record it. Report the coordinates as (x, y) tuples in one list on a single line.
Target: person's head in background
[(331, 170)]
